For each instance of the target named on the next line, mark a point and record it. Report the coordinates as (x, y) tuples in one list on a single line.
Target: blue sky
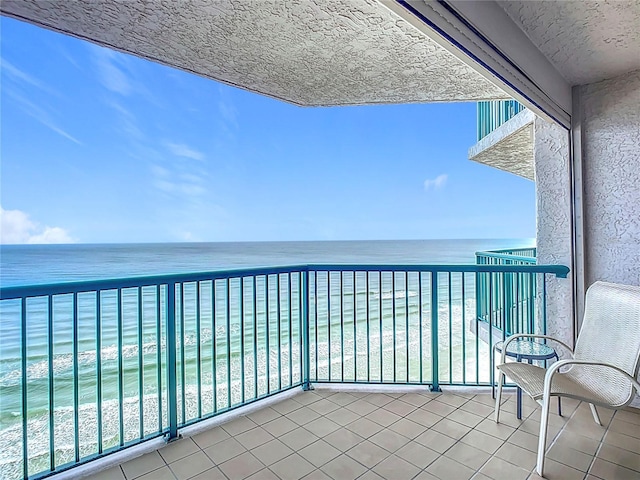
[(101, 147)]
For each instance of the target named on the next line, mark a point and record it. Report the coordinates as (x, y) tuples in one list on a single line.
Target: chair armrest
[(553, 369), (529, 335)]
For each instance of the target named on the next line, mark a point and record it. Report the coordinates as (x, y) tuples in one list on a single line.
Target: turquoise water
[(23, 265)]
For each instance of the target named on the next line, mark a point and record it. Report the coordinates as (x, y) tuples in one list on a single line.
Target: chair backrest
[(610, 330)]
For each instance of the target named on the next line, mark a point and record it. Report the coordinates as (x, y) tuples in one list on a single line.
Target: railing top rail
[(506, 256), (507, 250), (14, 292)]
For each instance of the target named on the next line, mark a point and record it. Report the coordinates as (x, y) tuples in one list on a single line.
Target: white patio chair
[(605, 362)]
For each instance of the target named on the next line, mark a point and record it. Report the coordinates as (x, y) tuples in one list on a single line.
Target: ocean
[(45, 264)]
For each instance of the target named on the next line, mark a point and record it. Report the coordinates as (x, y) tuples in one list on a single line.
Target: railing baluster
[(393, 319), (355, 332), (420, 322), (227, 297), (198, 349), (52, 449), (171, 362), (367, 315), (255, 337), (241, 315), (304, 277), (120, 367), (140, 366), (380, 320), (406, 317), (341, 305), (279, 330), (267, 334), (435, 369), (158, 354), (23, 366), (183, 346)]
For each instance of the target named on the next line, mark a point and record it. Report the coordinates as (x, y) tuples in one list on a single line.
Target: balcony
[(95, 368)]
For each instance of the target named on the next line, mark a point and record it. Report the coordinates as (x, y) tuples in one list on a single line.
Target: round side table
[(530, 351)]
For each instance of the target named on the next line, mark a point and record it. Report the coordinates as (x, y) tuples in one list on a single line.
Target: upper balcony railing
[(89, 368), (494, 113), (509, 303)]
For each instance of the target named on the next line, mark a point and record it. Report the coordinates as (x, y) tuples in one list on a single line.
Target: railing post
[(306, 361), (435, 370), (172, 385)]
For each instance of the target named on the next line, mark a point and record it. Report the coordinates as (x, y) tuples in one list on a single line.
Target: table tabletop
[(527, 349)]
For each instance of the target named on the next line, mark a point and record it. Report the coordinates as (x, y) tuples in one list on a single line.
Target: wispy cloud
[(21, 76), (435, 183), (182, 150), (41, 115), (183, 185), (111, 74), (17, 228)]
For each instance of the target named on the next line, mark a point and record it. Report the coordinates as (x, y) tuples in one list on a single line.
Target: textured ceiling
[(308, 52), (587, 41)]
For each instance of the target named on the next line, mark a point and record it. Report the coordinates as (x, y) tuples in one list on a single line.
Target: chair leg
[(594, 412), (542, 440), (499, 396)]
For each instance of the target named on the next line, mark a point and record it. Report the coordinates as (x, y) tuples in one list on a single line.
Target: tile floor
[(332, 435)]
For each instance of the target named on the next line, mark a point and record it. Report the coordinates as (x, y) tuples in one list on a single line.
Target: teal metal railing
[(89, 368), (494, 113), (507, 303)]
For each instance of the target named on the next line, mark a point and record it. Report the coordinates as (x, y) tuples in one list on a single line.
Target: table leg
[(559, 398)]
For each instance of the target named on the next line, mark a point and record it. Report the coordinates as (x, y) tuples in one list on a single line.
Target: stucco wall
[(551, 161), (611, 159)]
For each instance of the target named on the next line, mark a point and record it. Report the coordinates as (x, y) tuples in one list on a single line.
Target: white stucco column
[(553, 204)]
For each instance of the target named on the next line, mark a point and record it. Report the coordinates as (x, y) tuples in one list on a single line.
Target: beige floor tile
[(242, 466), (621, 426), (263, 415), (378, 399), (178, 449), (418, 399), (365, 428), (211, 474), (113, 473), (368, 454), (498, 430), (478, 408), (343, 416), (524, 440), (467, 455), (448, 469), (628, 416), (585, 428), (323, 406), (303, 415), (271, 452), (424, 475), (435, 441), (569, 456), (279, 426), (451, 429), (287, 406), (225, 450), (424, 417), (254, 437), (417, 454), (394, 467), (439, 408), (305, 398), (298, 438), (607, 470), (192, 465), (264, 474), (578, 442), (322, 426), (319, 453), (465, 418), (343, 468), (453, 400), (486, 443), (516, 455), (343, 439), (317, 475), (383, 417), (210, 437), (239, 425), (141, 465), (408, 428), (342, 398), (480, 476), (361, 407), (499, 469), (389, 440), (399, 407), (293, 467), (621, 456), (371, 475), (163, 473), (621, 440)]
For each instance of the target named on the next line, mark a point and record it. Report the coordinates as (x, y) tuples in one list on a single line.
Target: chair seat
[(531, 379)]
